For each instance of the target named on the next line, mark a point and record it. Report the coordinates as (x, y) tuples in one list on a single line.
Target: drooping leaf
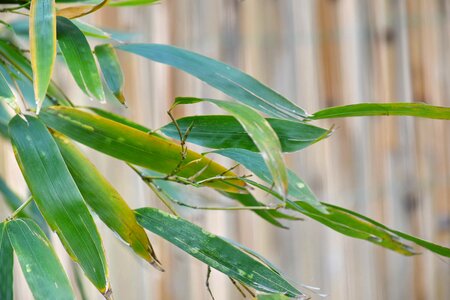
[(11, 199), (225, 78), (120, 3), (42, 45), (21, 64), (104, 200), (6, 265), (441, 250), (58, 197), (297, 188), (7, 95), (384, 109), (80, 10), (112, 72), (214, 251), (40, 265), (260, 132), (78, 56), (134, 146), (222, 131)]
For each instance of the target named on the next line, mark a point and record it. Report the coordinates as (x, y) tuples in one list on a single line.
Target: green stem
[(20, 208)]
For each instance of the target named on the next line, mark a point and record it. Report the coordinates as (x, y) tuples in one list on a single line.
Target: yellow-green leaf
[(104, 200), (58, 197), (42, 45), (7, 95), (112, 72), (6, 265), (134, 146)]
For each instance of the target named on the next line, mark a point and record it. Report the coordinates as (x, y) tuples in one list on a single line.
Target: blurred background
[(317, 53)]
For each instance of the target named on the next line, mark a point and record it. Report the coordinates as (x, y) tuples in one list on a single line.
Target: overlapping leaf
[(222, 131), (78, 56), (6, 265), (112, 72), (40, 265), (260, 132), (225, 78), (80, 10), (58, 197), (421, 110), (7, 95), (134, 146), (214, 251), (42, 45), (105, 201)]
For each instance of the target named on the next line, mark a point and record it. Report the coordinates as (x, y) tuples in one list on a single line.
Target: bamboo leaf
[(7, 95), (225, 78), (58, 197), (260, 132), (40, 266), (222, 131), (105, 201), (121, 3), (22, 65), (385, 109), (134, 146), (272, 297), (438, 249), (297, 188), (214, 251), (80, 10), (78, 56), (42, 45), (91, 31), (6, 265), (112, 72)]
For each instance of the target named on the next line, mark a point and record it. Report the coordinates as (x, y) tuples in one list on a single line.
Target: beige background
[(317, 53)]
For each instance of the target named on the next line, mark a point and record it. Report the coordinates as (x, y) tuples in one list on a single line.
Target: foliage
[(261, 125)]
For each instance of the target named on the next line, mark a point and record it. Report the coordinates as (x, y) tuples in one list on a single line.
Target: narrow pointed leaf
[(7, 95), (112, 72), (6, 265), (222, 131), (297, 188), (273, 297), (214, 251), (260, 132), (42, 45), (438, 249), (225, 78), (40, 266), (104, 200), (385, 109), (131, 145), (14, 56), (90, 30), (81, 10), (4, 120), (120, 3), (78, 56), (58, 197)]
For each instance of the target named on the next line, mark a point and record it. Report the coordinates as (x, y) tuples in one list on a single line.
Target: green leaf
[(297, 188), (222, 131), (384, 109), (105, 201), (112, 72), (11, 199), (58, 197), (441, 250), (6, 265), (7, 95), (42, 45), (133, 146), (260, 132), (272, 297), (40, 265), (90, 30), (120, 3), (78, 56), (214, 251), (22, 65), (225, 78)]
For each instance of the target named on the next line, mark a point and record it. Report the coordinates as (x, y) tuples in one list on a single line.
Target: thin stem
[(20, 208), (208, 275)]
